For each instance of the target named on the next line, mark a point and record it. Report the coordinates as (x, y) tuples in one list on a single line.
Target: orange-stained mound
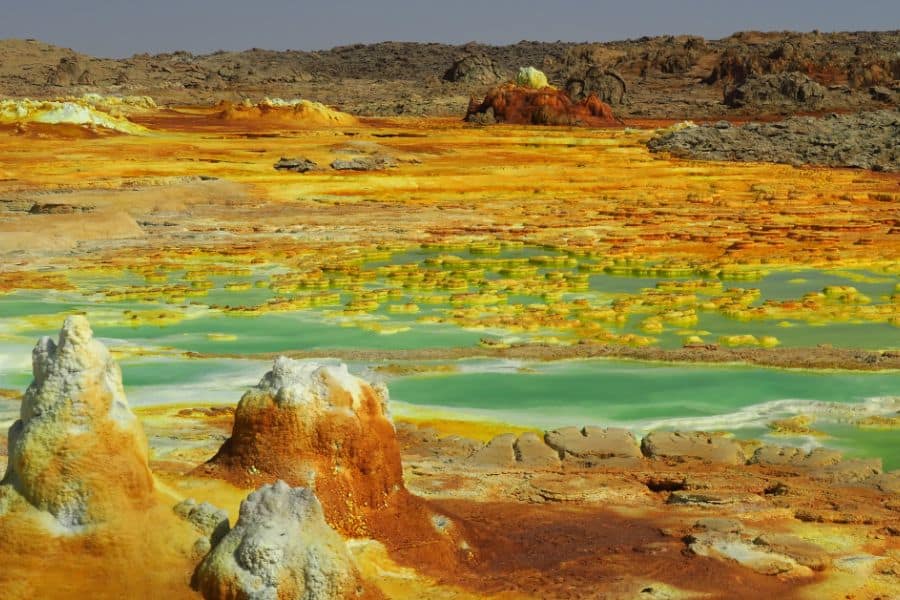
[(349, 454), (358, 451), (300, 113), (518, 105)]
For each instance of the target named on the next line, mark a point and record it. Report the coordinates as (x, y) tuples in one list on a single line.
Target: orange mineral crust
[(136, 554), (354, 443), (197, 178)]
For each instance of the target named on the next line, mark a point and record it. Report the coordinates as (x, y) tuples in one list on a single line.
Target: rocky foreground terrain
[(665, 77), (576, 512)]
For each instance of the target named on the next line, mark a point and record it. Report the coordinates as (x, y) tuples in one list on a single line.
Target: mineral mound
[(303, 113), (280, 547), (71, 111), (532, 78), (524, 105), (77, 451), (318, 426)]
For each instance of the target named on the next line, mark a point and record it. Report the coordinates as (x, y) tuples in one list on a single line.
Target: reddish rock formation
[(519, 105), (319, 426)]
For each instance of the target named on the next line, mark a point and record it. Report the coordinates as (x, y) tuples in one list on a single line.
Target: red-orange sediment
[(572, 553)]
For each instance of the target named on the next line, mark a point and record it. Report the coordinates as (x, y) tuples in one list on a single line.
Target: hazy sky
[(124, 27)]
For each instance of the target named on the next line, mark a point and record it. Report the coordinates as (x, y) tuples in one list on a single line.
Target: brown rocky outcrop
[(783, 456), (608, 85), (867, 59), (496, 454), (781, 90), (532, 452), (593, 445), (665, 73), (71, 70), (474, 68), (862, 140)]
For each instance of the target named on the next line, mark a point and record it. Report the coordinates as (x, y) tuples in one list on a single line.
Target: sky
[(120, 28)]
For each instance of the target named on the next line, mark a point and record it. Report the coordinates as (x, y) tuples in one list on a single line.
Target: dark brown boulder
[(606, 84), (71, 70)]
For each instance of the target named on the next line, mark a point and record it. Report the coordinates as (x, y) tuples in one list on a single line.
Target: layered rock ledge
[(573, 449)]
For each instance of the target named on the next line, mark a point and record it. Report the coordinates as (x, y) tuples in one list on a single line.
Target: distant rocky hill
[(668, 76)]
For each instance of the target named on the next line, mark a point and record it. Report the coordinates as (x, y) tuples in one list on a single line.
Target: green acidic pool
[(642, 396)]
